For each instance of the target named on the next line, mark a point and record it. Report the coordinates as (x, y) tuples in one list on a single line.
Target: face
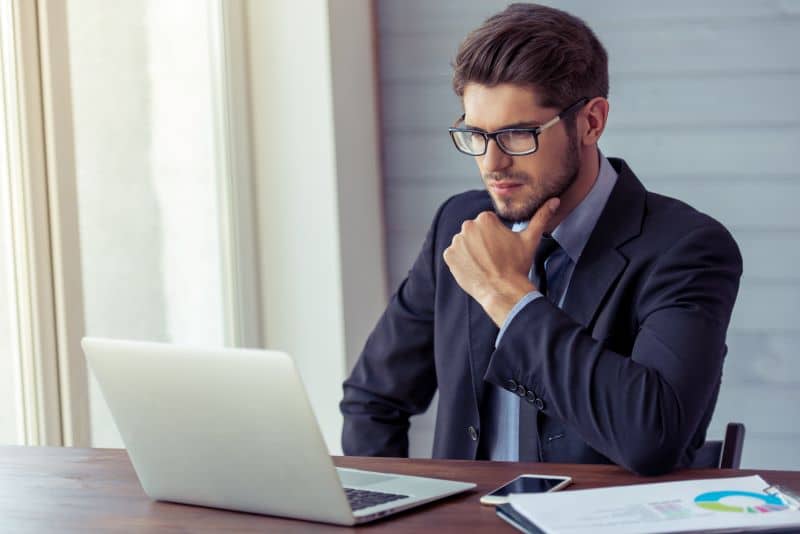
[(519, 185)]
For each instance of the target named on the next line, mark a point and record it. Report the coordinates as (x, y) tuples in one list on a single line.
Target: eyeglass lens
[(509, 141)]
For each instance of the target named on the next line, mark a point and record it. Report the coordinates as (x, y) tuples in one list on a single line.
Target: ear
[(595, 117)]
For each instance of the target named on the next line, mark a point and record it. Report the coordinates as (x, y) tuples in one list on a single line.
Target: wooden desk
[(90, 490)]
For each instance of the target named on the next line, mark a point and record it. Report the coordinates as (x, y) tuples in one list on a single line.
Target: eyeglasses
[(512, 141)]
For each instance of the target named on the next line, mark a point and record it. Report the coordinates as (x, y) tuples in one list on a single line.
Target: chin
[(515, 211)]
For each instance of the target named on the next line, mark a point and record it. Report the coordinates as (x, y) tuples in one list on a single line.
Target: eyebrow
[(522, 124)]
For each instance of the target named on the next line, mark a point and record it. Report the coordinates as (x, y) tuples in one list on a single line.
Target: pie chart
[(713, 500)]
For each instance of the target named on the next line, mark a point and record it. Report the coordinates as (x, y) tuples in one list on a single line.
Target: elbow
[(652, 453), (657, 431)]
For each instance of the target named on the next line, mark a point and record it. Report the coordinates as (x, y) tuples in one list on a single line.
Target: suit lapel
[(591, 280), (601, 263)]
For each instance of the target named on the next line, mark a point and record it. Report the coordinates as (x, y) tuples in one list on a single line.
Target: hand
[(491, 263)]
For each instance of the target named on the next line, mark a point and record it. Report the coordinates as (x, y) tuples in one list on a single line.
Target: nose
[(495, 159)]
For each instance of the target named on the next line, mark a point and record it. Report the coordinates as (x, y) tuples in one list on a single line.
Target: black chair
[(725, 454)]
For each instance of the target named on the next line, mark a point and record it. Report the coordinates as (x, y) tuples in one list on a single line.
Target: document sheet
[(693, 505)]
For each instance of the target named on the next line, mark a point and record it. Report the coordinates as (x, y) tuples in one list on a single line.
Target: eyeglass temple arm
[(548, 124), (564, 113)]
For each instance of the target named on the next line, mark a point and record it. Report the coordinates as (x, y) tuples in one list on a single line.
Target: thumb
[(539, 222)]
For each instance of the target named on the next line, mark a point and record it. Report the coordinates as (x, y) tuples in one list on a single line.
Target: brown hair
[(532, 45)]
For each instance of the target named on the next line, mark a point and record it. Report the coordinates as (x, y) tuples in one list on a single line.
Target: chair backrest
[(725, 454)]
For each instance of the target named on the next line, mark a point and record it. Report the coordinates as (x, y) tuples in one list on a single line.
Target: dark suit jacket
[(628, 372)]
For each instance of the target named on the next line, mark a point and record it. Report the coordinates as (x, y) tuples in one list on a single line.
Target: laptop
[(233, 429)]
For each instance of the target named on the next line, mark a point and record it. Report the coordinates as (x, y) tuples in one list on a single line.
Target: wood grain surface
[(44, 489)]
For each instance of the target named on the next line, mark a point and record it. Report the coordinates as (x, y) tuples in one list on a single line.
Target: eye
[(517, 141), (518, 136)]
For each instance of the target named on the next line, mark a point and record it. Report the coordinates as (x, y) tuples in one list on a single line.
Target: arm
[(640, 411), (394, 376)]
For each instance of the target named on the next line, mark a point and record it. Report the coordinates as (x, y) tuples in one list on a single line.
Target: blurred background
[(253, 173)]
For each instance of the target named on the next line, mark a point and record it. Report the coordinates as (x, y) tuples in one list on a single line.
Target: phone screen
[(527, 485)]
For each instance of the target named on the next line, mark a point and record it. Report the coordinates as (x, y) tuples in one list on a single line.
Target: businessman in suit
[(564, 313)]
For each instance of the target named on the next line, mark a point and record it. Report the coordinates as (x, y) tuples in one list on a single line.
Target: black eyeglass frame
[(493, 135)]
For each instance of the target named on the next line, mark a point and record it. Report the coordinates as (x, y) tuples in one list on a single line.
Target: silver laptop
[(233, 429)]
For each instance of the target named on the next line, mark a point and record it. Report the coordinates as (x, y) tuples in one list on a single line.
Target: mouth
[(504, 188)]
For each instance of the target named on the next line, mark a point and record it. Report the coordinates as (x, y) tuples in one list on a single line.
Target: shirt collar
[(574, 231)]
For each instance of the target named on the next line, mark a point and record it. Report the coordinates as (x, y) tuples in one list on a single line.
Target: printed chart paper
[(692, 505)]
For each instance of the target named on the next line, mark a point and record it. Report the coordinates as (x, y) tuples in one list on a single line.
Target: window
[(127, 135)]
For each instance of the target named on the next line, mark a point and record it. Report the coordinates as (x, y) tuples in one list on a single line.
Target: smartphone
[(526, 484)]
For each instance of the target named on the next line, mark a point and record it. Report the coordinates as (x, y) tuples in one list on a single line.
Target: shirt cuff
[(521, 303)]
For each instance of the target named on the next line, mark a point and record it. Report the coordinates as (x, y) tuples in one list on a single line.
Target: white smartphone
[(526, 484)]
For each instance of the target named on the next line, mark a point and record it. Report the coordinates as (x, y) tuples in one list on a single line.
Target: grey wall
[(703, 107)]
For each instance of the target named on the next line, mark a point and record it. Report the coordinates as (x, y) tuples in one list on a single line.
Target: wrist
[(498, 302)]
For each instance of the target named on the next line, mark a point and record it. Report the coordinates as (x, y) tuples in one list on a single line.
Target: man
[(565, 314)]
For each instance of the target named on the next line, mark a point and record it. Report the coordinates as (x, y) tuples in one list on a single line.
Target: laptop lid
[(226, 428)]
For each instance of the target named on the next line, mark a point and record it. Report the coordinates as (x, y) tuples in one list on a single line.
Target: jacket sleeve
[(395, 375), (640, 411)]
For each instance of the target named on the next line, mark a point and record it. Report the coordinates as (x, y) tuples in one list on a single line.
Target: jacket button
[(521, 390), (472, 433), (511, 385), (539, 403)]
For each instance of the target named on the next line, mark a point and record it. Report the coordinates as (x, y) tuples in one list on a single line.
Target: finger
[(488, 217), (447, 255), (540, 221)]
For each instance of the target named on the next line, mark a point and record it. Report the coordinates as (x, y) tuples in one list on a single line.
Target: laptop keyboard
[(364, 499)]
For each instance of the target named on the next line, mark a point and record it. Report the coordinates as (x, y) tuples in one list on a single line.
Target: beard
[(544, 188)]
